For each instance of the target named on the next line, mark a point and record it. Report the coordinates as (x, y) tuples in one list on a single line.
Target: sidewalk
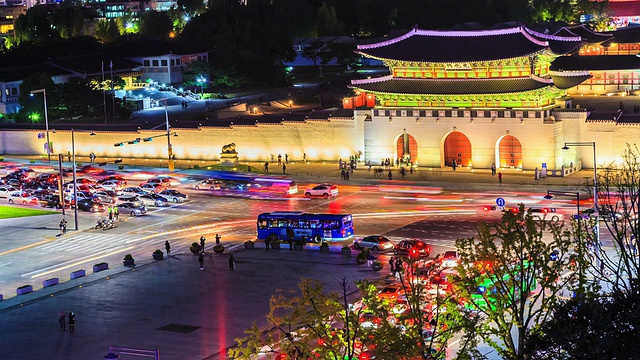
[(168, 305)]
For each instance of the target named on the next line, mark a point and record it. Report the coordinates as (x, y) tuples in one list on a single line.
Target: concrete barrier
[(50, 282), (100, 267), (77, 274), (24, 289)]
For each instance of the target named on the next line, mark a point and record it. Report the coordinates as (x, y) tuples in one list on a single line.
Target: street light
[(171, 164), (75, 185), (46, 119), (595, 182), (201, 80)]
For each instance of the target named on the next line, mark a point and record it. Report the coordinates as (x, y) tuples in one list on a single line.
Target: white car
[(324, 190), (6, 190), (112, 185), (152, 187), (173, 195), (134, 190), (153, 200), (23, 199)]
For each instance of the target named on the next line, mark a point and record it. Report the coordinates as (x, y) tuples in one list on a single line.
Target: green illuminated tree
[(34, 25), (507, 278), (106, 31), (195, 70), (68, 19)]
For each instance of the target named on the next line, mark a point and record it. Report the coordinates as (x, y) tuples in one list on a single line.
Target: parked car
[(6, 190), (374, 242), (152, 187), (106, 196), (132, 191), (22, 198), (153, 200), (324, 190), (79, 194), (53, 201), (116, 178), (166, 182), (112, 185), (414, 248), (90, 204), (450, 259), (132, 208), (173, 195)]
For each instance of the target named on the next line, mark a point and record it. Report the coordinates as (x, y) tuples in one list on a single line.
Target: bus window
[(330, 224), (262, 223), (315, 224)]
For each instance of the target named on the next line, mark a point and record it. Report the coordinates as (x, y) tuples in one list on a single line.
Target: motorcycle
[(100, 223), (109, 224)]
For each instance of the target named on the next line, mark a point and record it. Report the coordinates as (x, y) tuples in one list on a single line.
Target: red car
[(413, 248)]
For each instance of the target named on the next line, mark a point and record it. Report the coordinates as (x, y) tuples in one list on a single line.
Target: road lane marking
[(5, 264)]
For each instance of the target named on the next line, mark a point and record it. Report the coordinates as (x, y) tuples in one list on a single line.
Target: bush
[(1, 158), (32, 161), (218, 249), (195, 248), (158, 252), (196, 166), (346, 247), (128, 257), (365, 252), (324, 244), (120, 167)]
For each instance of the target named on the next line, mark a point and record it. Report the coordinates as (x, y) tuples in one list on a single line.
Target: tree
[(34, 25), (227, 77), (155, 25), (32, 107), (106, 31), (194, 71), (304, 323), (619, 205), (327, 22), (192, 7), (68, 19), (314, 51), (593, 327), (507, 278)]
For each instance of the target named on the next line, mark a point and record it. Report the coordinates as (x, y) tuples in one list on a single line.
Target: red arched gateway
[(457, 146), (510, 152), (407, 148)]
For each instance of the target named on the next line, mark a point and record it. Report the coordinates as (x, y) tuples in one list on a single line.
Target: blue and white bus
[(313, 227)]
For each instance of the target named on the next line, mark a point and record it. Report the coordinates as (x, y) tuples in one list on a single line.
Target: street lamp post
[(201, 80), (75, 185), (171, 163), (46, 119), (596, 213)]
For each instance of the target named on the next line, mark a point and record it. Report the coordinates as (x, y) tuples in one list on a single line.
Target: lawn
[(7, 212)]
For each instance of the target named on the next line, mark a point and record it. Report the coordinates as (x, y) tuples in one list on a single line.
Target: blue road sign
[(500, 202)]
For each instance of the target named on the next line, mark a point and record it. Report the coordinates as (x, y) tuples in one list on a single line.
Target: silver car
[(132, 208), (173, 195), (153, 200)]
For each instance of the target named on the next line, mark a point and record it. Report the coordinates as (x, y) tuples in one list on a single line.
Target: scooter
[(108, 224)]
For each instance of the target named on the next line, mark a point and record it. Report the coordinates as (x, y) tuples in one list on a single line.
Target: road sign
[(500, 202)]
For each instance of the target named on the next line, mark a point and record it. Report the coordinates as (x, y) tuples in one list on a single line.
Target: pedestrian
[(286, 158), (69, 155), (340, 164), (62, 227), (500, 177), (232, 263), (399, 263), (402, 172), (266, 165), (346, 175), (284, 169), (454, 164), (218, 237), (72, 322), (116, 213), (410, 168), (390, 175), (304, 157), (62, 319), (271, 157), (392, 265), (397, 162), (167, 247), (342, 174), (201, 260), (279, 159), (493, 169), (267, 244), (202, 240), (92, 157)]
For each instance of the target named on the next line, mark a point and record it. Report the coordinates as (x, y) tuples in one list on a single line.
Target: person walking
[(202, 240), (304, 157), (62, 319), (201, 260), (218, 237), (402, 172), (284, 169), (493, 169), (167, 247), (72, 322), (64, 226), (286, 158), (500, 178), (267, 244), (392, 265), (346, 175), (390, 175), (232, 263), (92, 157), (454, 164), (116, 213), (279, 159), (266, 166)]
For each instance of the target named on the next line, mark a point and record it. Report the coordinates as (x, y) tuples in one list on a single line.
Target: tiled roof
[(591, 37), (603, 116), (392, 85), (461, 46), (598, 62), (626, 35), (8, 74), (569, 80)]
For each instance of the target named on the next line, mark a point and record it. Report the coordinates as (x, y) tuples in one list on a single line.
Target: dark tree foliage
[(68, 19), (155, 25), (192, 7), (107, 31), (30, 52), (195, 70), (34, 25), (590, 328)]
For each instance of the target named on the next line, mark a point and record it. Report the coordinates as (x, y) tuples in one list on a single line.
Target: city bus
[(249, 184), (312, 227)]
